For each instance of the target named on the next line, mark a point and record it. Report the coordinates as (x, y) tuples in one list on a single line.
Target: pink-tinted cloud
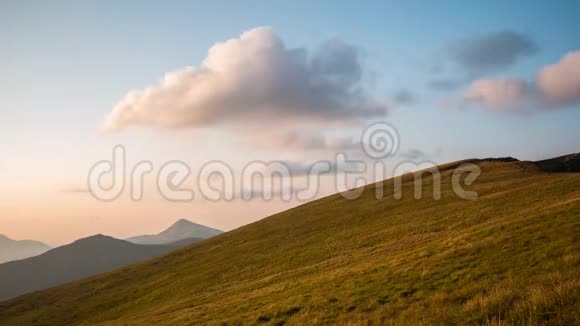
[(560, 83), (254, 77), (556, 85), (498, 94)]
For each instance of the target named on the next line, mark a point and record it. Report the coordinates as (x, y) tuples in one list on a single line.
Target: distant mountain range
[(180, 230), (20, 249), (82, 258), (90, 256)]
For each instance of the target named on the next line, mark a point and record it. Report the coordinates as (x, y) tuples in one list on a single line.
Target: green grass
[(512, 256)]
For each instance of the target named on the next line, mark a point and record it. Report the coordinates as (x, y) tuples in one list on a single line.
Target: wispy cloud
[(491, 52), (303, 168), (303, 139), (498, 94), (416, 155), (404, 97), (445, 84), (74, 190)]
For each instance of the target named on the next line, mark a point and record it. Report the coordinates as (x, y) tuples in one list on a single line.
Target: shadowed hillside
[(82, 258), (566, 163), (512, 255)]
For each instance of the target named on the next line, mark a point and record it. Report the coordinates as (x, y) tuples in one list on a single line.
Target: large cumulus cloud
[(252, 78)]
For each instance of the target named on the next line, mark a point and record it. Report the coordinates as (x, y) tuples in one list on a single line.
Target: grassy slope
[(512, 255)]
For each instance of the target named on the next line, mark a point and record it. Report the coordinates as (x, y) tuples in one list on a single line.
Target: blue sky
[(69, 61), (65, 65)]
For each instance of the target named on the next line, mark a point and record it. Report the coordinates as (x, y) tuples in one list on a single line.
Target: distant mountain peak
[(97, 240), (183, 222), (180, 230), (96, 237), (3, 237)]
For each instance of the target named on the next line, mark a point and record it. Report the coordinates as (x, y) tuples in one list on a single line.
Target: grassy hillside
[(512, 255)]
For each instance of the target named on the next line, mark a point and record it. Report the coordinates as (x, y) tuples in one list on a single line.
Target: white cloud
[(254, 77)]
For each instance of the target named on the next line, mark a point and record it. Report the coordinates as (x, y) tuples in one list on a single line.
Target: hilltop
[(512, 256)]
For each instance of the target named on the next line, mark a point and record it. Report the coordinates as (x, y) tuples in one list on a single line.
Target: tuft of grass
[(510, 257)]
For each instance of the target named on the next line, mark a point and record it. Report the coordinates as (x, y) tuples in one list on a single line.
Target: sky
[(297, 82)]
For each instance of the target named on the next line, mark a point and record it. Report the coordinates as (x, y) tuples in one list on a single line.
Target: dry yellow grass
[(512, 256)]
